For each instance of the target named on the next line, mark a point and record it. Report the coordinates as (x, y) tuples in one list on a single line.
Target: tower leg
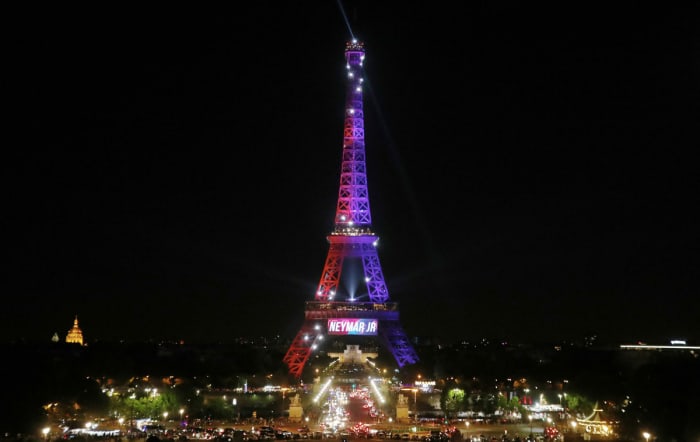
[(376, 286), (330, 278), (396, 341), (300, 350)]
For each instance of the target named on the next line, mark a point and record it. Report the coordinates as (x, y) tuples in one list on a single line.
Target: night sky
[(173, 173)]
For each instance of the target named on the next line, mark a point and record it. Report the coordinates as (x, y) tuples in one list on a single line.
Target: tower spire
[(352, 212), (352, 238)]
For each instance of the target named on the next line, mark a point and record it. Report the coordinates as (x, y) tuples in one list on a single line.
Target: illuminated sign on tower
[(353, 326)]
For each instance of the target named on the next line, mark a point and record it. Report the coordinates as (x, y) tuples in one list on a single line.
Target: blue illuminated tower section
[(353, 238)]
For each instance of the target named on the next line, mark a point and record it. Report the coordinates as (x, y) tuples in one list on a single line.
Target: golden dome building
[(75, 334)]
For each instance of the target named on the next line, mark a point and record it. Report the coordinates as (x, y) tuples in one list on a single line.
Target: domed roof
[(75, 334)]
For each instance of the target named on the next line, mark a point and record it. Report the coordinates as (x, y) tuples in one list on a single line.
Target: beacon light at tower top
[(354, 45)]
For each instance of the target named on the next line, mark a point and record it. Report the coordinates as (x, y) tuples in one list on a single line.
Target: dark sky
[(173, 173)]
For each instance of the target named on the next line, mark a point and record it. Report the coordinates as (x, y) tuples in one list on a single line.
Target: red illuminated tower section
[(351, 238)]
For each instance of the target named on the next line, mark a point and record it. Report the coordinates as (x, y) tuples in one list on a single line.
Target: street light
[(646, 436), (526, 396)]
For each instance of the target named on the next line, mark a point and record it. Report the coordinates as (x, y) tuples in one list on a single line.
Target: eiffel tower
[(351, 238)]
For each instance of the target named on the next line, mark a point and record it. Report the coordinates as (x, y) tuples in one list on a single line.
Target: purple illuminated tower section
[(351, 238)]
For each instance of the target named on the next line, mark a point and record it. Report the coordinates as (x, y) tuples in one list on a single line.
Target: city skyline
[(529, 168)]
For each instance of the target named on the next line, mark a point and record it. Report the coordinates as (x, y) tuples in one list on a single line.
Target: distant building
[(352, 355), (75, 334), (594, 426), (675, 345)]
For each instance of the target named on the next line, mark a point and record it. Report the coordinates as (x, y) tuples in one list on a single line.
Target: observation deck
[(334, 309)]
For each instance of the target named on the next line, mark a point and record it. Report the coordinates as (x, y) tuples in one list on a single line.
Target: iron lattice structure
[(352, 237)]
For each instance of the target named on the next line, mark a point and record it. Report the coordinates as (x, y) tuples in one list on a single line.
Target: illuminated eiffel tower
[(352, 238)]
